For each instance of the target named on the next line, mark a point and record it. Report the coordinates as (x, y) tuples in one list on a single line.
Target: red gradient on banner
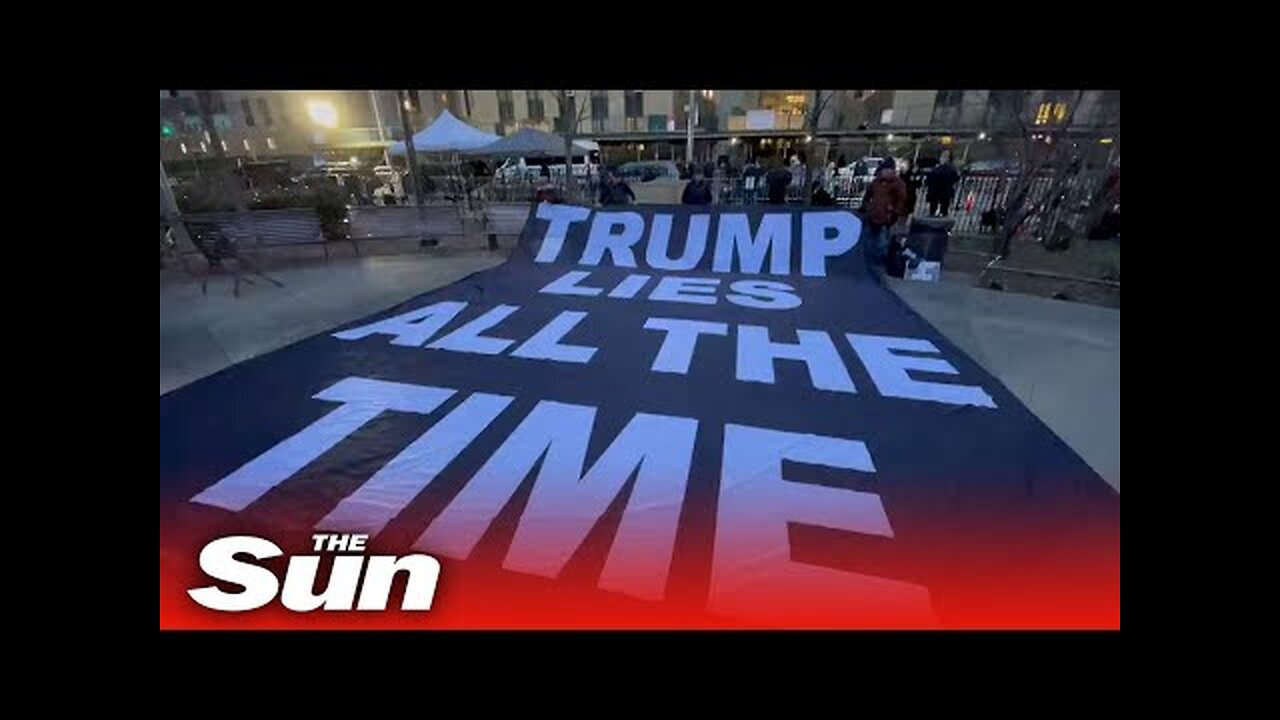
[(1054, 565)]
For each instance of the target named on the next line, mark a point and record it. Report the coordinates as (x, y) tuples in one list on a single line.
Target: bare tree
[(1045, 149), (820, 102), (571, 120), (226, 183), (204, 103), (811, 128)]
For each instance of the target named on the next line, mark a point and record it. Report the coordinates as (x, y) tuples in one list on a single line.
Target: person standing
[(940, 187), (750, 181), (615, 190), (884, 202), (821, 198), (698, 189), (912, 180), (778, 180)]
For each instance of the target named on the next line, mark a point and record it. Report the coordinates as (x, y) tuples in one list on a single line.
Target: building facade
[(274, 124)]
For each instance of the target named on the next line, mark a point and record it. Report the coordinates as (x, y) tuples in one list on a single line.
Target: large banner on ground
[(647, 417)]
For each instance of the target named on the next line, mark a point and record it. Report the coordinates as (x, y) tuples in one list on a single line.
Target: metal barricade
[(265, 228)]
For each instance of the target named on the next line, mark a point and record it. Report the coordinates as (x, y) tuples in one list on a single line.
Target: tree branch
[(819, 104)]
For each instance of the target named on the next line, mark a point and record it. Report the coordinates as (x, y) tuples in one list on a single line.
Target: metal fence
[(975, 194), (497, 189), (264, 228), (472, 192), (301, 226), (371, 223), (459, 205)]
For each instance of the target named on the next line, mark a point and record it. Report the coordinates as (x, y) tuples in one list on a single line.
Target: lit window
[(183, 147), (246, 144), (1060, 112), (271, 143), (224, 145), (1042, 113), (207, 137), (203, 147)]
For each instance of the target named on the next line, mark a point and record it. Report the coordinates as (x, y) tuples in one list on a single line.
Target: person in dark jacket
[(751, 180), (698, 190), (911, 178), (940, 188), (821, 198), (778, 179), (615, 191), (884, 202)]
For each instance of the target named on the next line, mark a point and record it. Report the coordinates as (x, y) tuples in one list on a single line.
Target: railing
[(261, 228), (372, 223), (975, 194), (257, 229), (474, 192)]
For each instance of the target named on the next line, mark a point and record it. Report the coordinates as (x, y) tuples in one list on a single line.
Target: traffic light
[(166, 129)]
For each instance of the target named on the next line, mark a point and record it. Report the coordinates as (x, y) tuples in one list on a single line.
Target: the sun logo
[(218, 560)]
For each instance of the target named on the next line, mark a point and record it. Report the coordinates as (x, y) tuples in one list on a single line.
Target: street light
[(323, 113)]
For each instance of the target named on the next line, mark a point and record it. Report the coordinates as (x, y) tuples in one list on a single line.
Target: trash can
[(920, 258)]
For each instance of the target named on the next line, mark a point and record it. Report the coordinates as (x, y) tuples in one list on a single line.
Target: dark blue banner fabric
[(718, 413)]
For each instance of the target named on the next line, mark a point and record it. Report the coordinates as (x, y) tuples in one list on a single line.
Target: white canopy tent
[(446, 134)]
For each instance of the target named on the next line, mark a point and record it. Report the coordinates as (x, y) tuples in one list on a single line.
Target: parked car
[(646, 170), (513, 169)]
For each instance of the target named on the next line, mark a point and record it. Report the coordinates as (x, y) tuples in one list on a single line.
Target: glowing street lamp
[(322, 113)]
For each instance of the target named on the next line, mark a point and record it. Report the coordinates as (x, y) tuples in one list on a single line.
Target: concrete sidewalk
[(202, 333), (1062, 359)]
